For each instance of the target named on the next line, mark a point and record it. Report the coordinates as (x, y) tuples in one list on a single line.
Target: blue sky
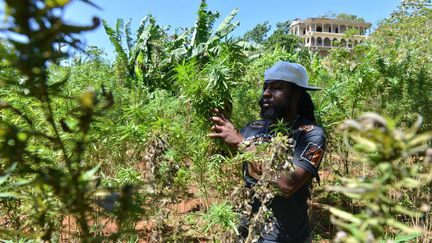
[(177, 13)]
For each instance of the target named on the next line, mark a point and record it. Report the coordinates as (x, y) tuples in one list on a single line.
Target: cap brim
[(311, 88)]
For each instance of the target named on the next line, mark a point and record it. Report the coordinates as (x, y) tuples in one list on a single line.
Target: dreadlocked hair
[(305, 106)]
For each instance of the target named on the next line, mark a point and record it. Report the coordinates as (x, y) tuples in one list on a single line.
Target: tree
[(342, 16), (281, 38), (404, 60), (259, 33), (345, 16), (283, 26)]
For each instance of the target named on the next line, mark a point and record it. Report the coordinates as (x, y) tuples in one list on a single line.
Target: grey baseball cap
[(291, 72)]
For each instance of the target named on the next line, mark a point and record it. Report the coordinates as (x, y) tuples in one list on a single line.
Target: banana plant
[(151, 56), (143, 57)]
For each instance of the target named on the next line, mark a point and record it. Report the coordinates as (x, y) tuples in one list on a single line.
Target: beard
[(274, 112)]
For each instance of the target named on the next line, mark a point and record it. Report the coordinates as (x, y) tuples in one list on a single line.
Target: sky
[(182, 13)]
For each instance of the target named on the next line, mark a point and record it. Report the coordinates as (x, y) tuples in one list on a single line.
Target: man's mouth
[(266, 103)]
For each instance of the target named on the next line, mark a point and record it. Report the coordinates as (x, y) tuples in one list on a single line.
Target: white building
[(323, 34)]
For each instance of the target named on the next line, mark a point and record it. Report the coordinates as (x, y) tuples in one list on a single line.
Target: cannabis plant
[(387, 151), (44, 131)]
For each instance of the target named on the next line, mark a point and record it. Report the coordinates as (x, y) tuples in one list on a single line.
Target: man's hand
[(225, 130)]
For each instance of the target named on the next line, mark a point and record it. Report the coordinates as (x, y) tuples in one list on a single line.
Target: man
[(284, 97)]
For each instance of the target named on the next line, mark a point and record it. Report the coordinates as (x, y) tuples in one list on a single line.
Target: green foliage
[(345, 16), (153, 54), (221, 215), (45, 130), (146, 61), (209, 88), (127, 172), (406, 66), (128, 176), (342, 16), (258, 33), (386, 150), (203, 25), (279, 38)]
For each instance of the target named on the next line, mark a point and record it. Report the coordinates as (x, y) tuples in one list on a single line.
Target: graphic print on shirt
[(306, 128), (313, 154)]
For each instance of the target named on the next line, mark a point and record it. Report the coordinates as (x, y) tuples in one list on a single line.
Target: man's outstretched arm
[(290, 181)]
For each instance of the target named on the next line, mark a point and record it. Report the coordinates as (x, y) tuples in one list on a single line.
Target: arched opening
[(358, 31), (343, 42), (319, 41), (313, 41), (350, 44), (335, 42), (319, 29), (327, 28), (304, 31), (327, 42), (343, 28), (356, 43), (337, 30)]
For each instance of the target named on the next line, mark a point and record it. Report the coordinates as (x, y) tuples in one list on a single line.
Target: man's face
[(277, 100)]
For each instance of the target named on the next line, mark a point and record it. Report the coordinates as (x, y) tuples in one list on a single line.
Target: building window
[(327, 28), (343, 29), (319, 29), (327, 42), (343, 42), (334, 42), (319, 41), (313, 41), (337, 30)]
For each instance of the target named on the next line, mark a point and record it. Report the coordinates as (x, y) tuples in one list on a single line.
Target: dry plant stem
[(204, 188), (256, 218), (265, 187)]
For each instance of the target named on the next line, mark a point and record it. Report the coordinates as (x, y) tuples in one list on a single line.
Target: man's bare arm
[(289, 182)]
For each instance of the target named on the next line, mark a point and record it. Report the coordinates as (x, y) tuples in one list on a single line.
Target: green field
[(99, 150)]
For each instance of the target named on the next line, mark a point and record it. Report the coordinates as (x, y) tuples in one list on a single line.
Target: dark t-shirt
[(290, 217)]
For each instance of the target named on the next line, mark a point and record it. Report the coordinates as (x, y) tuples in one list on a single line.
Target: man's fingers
[(216, 128), (219, 121), (215, 135), (223, 117), (219, 113)]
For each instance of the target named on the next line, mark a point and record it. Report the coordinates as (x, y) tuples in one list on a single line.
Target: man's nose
[(266, 92)]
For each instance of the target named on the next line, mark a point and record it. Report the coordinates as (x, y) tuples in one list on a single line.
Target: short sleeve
[(309, 150)]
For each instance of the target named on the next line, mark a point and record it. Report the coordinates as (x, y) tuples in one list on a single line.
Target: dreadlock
[(305, 106)]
